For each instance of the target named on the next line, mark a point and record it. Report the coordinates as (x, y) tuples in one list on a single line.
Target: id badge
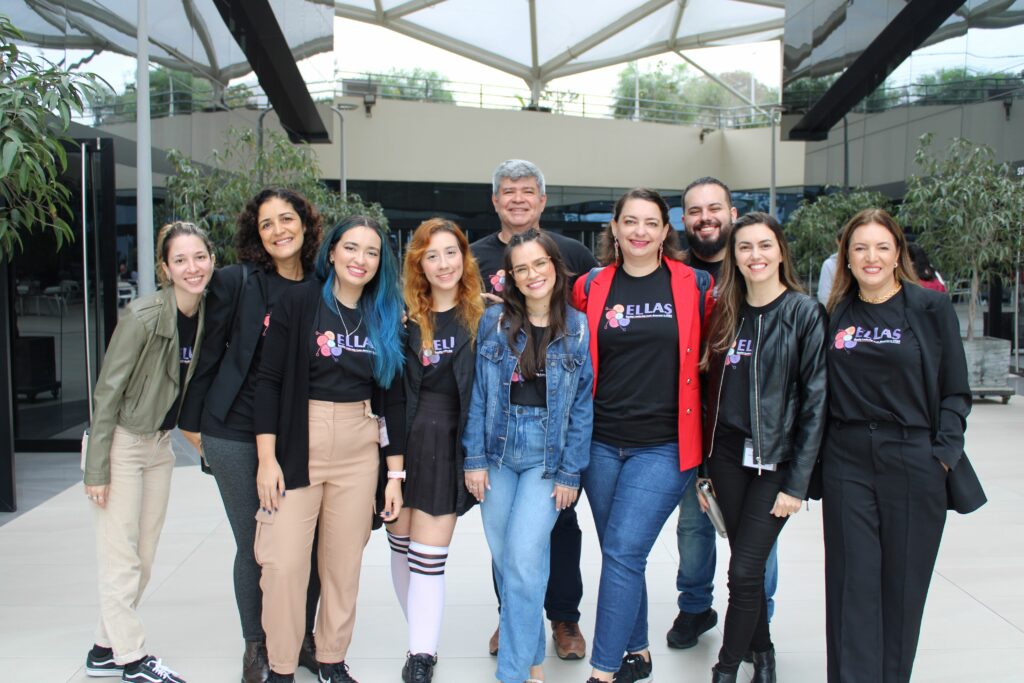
[(382, 432), (748, 457)]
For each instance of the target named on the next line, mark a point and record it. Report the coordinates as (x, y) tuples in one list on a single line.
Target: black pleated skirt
[(431, 483)]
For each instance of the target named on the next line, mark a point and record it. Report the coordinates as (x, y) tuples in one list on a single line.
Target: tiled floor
[(973, 630)]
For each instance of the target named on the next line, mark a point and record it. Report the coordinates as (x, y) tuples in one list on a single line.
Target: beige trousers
[(343, 466), (127, 532)]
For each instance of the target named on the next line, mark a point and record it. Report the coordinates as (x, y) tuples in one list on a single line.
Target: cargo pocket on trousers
[(263, 520)]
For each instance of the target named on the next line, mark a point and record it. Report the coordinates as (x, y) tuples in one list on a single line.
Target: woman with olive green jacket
[(129, 459)]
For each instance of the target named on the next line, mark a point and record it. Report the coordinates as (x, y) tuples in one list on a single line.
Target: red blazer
[(685, 299)]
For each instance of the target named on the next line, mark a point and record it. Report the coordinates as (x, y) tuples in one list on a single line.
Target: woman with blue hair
[(329, 409)]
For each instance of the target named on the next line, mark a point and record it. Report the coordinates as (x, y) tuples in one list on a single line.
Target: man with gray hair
[(519, 197)]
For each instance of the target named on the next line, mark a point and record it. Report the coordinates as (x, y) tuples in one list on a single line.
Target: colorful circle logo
[(616, 316), (328, 345), (732, 358), (844, 338), (429, 357), (498, 281)]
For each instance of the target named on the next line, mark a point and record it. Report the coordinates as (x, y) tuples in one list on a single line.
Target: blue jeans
[(632, 492), (695, 539), (518, 514)]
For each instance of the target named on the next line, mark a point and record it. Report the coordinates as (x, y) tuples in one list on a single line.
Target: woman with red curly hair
[(442, 294)]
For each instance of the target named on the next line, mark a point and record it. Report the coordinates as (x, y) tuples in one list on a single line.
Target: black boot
[(255, 668), (722, 677), (307, 655), (764, 666)]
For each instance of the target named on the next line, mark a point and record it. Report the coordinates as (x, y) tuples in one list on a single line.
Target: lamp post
[(342, 175)]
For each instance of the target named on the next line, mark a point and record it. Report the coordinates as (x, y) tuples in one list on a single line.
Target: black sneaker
[(419, 668), (149, 669), (634, 668), (100, 662), (335, 673), (688, 627), (274, 677)]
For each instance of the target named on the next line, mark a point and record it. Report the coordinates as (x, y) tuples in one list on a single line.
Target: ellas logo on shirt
[(432, 356), (332, 344), (621, 315), (741, 349), (849, 337)]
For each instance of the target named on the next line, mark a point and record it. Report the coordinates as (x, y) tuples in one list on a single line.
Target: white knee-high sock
[(400, 569), (426, 596)]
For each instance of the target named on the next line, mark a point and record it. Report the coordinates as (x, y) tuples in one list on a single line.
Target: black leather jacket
[(788, 397)]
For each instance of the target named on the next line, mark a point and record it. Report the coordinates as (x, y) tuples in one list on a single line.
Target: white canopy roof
[(189, 35), (540, 40)]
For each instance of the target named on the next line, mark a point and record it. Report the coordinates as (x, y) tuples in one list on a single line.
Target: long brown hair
[(732, 288), (532, 359), (416, 289), (845, 282), (606, 253)]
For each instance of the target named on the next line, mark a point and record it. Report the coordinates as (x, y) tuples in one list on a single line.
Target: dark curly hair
[(248, 244)]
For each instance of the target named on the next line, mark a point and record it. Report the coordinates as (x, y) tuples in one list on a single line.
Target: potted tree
[(966, 209)]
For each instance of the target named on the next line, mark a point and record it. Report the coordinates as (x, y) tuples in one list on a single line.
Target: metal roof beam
[(399, 11), (594, 39), (676, 21), (195, 19), (776, 4)]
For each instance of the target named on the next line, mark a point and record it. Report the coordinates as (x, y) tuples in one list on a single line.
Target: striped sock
[(400, 569)]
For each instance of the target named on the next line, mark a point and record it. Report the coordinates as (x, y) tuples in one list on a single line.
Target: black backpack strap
[(594, 272)]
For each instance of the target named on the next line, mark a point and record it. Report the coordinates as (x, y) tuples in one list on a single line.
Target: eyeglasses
[(539, 266)]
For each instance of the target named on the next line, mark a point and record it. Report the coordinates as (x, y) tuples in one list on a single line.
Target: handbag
[(85, 447), (964, 492), (714, 511)]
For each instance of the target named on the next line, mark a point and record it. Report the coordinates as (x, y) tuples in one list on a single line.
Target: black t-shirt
[(531, 392), (186, 342), (438, 375), (874, 366), (712, 267), (238, 425), (734, 401), (637, 400), (342, 367), (490, 256)]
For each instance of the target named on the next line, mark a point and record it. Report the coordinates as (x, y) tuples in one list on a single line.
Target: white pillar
[(143, 157)]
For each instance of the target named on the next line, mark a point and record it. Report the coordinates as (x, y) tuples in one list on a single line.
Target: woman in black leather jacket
[(765, 416)]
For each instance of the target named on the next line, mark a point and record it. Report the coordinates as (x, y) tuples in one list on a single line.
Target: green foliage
[(213, 193), (801, 93), (675, 94), (413, 84), (958, 85), (966, 209), (171, 92), (812, 228), (37, 100)]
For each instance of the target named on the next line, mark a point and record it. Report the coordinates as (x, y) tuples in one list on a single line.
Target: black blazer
[(282, 388), (947, 391), (463, 366), (236, 302)]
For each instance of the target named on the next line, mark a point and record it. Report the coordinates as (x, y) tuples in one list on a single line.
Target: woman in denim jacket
[(528, 437)]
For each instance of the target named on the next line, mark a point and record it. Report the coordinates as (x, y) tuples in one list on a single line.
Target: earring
[(661, 251), (615, 244), (848, 267)]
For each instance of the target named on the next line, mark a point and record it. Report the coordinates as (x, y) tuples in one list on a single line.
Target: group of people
[(331, 391)]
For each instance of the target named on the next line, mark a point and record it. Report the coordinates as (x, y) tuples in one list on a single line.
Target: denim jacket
[(570, 377)]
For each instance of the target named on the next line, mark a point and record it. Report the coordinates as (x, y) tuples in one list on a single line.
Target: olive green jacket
[(139, 378)]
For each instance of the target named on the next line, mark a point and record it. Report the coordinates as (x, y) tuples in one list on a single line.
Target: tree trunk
[(972, 303)]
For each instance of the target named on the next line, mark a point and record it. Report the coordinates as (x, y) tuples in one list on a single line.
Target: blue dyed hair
[(380, 304)]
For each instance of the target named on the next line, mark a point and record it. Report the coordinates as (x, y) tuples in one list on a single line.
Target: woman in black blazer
[(277, 237), (898, 405)]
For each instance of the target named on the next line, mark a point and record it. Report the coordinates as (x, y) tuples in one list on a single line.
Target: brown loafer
[(492, 646), (255, 668), (569, 642)]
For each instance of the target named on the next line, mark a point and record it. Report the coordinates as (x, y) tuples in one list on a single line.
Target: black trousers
[(746, 497), (565, 581), (884, 508)]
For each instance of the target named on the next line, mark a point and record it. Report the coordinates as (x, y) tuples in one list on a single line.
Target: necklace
[(880, 299), (342, 317)]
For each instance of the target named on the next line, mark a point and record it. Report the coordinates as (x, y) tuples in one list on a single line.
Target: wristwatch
[(396, 474)]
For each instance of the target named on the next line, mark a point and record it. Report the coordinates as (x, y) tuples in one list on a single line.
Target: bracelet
[(396, 474)]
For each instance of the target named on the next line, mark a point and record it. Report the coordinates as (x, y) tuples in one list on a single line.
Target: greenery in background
[(413, 84), (811, 229), (171, 92), (676, 94), (966, 210), (36, 103), (213, 192), (957, 86)]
